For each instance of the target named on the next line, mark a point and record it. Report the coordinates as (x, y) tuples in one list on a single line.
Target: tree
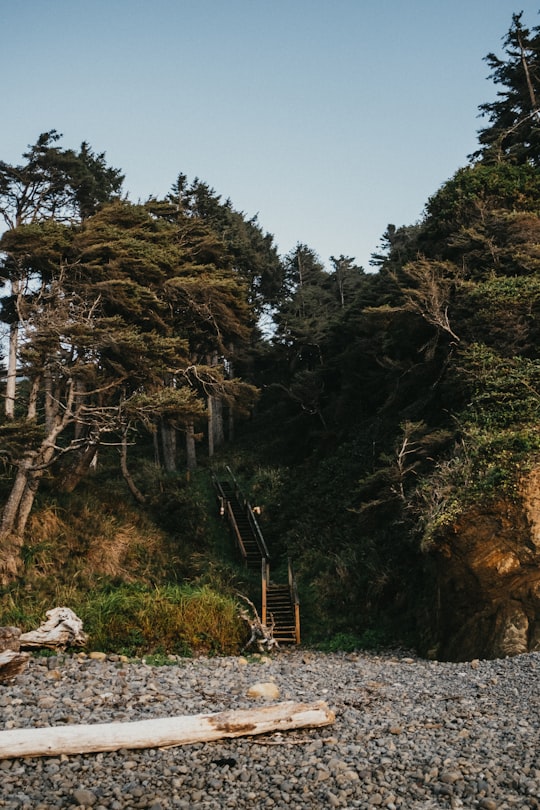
[(251, 251), (52, 184), (514, 131)]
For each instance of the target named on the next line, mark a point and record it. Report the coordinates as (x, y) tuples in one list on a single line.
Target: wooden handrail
[(256, 529), (295, 600), (239, 541), (265, 579)]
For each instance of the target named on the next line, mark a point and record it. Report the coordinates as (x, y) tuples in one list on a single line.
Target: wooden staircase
[(279, 602), (237, 513), (284, 610)]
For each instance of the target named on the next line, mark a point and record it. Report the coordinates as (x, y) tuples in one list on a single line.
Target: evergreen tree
[(52, 184), (513, 133)]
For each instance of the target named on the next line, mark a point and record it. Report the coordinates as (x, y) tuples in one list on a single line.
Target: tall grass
[(135, 620)]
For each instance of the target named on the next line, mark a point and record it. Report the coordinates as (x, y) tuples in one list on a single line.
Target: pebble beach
[(409, 733)]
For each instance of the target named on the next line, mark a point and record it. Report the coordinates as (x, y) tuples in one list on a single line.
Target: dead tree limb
[(261, 634)]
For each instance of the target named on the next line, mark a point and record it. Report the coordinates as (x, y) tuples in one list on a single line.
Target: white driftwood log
[(62, 629), (37, 742)]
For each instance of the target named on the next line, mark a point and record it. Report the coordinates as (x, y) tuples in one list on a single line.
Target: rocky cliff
[(488, 579)]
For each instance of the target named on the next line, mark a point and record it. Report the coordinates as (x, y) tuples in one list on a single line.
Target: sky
[(328, 119)]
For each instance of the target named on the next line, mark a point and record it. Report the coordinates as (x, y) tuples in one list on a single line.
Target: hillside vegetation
[(386, 424)]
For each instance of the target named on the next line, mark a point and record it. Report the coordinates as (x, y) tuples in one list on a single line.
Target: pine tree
[(514, 131)]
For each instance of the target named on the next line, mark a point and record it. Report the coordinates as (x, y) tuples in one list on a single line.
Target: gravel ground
[(408, 734)]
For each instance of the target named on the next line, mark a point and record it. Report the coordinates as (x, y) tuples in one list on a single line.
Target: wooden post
[(166, 731)]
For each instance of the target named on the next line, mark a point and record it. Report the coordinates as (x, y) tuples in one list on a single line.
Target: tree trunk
[(9, 512), (210, 408), (168, 444), (183, 730), (51, 402), (27, 500), (155, 444), (31, 412), (23, 492), (230, 425), (132, 486), (11, 379), (217, 418), (191, 452), (230, 408), (79, 467), (35, 473)]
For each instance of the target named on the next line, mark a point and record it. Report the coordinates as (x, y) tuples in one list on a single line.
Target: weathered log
[(166, 731), (12, 663), (62, 629)]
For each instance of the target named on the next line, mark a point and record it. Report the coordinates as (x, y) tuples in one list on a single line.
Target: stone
[(267, 690), (98, 656), (488, 804), (84, 798)]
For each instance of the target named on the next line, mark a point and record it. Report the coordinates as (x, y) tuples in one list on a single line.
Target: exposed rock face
[(488, 572)]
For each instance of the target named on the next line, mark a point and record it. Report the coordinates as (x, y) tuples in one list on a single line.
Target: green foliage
[(170, 619), (504, 392), (370, 639), (477, 190), (135, 620)]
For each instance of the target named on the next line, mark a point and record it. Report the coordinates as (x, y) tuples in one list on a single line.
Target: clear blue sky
[(327, 118)]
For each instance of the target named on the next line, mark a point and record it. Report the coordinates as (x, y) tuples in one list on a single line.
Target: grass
[(156, 581), (137, 620)]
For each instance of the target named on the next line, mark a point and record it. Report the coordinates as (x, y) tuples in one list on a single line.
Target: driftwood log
[(12, 662), (166, 731), (62, 629)]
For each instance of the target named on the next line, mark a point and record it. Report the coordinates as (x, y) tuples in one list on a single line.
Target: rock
[(263, 690), (450, 777), (10, 638), (84, 798), (98, 656)]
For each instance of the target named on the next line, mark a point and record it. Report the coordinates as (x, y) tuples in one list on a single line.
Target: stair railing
[(256, 529), (237, 534), (265, 581), (293, 588), (226, 510), (254, 525)]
